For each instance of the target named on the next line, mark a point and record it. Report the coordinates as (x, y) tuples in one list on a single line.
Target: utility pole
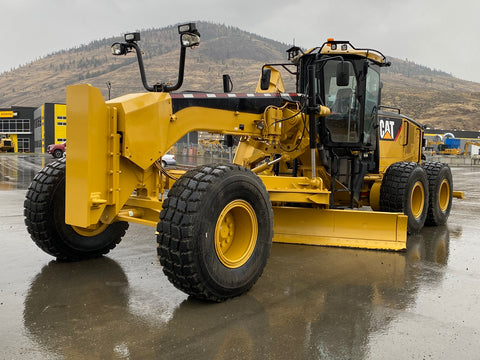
[(109, 86)]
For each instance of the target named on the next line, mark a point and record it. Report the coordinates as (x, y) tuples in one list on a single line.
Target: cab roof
[(335, 47)]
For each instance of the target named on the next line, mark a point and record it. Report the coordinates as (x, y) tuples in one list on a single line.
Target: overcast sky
[(440, 34)]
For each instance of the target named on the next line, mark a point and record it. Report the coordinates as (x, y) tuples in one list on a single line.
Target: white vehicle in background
[(168, 159)]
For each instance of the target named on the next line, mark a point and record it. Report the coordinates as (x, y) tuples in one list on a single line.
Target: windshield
[(343, 123)]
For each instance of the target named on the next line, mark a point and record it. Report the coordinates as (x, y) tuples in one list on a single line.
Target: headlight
[(189, 40), (119, 49)]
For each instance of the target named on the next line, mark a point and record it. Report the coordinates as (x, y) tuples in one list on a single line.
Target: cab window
[(371, 104), (343, 123)]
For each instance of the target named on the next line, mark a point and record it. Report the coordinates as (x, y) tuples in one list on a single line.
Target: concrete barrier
[(455, 160)]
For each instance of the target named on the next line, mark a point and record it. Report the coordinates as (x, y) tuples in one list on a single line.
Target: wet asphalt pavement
[(310, 303)]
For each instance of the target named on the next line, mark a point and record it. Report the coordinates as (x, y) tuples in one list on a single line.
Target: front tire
[(440, 186), (44, 210), (57, 154), (215, 232), (405, 189)]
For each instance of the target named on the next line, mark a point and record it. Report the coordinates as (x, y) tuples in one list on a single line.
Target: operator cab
[(347, 81)]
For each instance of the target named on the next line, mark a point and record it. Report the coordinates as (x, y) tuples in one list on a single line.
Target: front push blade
[(340, 228)]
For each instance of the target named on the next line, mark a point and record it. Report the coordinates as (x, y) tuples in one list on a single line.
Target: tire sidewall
[(71, 244), (417, 175), (440, 215), (236, 186), (437, 173), (396, 189)]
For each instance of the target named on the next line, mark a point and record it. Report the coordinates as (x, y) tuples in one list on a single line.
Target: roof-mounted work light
[(127, 46), (189, 35), (187, 28), (131, 37), (119, 49)]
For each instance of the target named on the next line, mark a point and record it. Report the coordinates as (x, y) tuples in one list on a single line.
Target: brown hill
[(442, 102), (431, 97)]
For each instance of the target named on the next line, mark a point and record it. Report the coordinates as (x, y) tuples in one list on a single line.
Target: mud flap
[(340, 228)]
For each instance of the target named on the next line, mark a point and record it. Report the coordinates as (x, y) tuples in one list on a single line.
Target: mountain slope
[(430, 96)]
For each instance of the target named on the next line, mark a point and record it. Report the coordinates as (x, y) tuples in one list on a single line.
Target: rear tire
[(44, 210), (215, 232), (440, 187), (405, 189)]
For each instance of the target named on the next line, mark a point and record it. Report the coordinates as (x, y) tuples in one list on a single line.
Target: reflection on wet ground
[(18, 170), (310, 303)]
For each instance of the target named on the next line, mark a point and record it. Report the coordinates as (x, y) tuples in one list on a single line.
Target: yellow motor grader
[(304, 164)]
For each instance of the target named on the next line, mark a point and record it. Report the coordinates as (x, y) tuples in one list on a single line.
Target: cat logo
[(389, 128)]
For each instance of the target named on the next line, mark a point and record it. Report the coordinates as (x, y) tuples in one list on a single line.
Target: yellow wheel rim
[(236, 234), (444, 195), (91, 230), (417, 200)]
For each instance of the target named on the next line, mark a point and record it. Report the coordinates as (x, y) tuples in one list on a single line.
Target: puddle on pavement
[(326, 296), (18, 170)]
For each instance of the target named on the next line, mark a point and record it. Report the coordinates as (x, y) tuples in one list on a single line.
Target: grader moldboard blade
[(340, 228)]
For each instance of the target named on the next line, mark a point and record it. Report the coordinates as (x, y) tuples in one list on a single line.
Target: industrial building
[(32, 129), (16, 124), (50, 125)]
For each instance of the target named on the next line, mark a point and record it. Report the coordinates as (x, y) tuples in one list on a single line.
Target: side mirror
[(343, 73), (227, 83), (265, 80)]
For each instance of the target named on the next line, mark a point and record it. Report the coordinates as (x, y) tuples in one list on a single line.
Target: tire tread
[(38, 210), (433, 170), (176, 238), (394, 192)]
